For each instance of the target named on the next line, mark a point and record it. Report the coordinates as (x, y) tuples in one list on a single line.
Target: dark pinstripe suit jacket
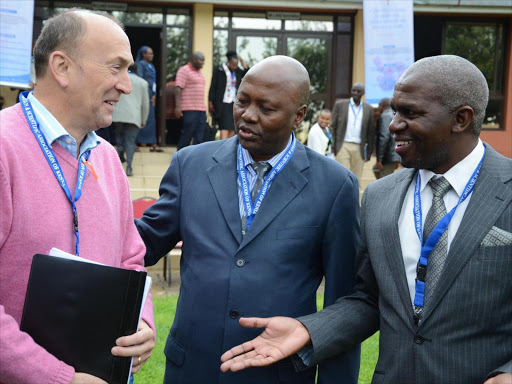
[(466, 333)]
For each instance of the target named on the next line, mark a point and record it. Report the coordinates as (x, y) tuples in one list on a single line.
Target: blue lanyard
[(252, 208), (437, 232), (54, 163), (354, 112)]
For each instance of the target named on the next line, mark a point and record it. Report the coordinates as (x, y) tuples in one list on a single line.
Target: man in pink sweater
[(81, 62)]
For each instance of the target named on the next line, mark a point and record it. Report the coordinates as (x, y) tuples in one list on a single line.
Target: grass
[(153, 371)]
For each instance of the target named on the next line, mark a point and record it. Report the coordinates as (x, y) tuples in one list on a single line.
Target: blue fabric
[(251, 174), (295, 239), (146, 70), (194, 125)]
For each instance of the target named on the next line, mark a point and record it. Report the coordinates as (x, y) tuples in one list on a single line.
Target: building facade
[(325, 35)]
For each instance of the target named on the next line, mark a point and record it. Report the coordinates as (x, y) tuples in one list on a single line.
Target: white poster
[(16, 22), (388, 45)]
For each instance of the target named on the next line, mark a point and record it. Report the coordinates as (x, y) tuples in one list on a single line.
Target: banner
[(388, 45), (16, 22)]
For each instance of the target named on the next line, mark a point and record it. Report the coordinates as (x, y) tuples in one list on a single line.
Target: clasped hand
[(281, 338)]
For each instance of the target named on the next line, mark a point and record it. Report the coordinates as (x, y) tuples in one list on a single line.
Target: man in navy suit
[(263, 220)]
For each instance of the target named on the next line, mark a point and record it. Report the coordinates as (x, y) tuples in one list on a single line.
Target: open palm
[(281, 338)]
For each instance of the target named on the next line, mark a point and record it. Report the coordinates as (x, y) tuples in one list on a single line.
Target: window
[(482, 44), (480, 41)]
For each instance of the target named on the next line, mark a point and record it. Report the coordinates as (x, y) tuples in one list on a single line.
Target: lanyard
[(54, 163), (252, 208), (354, 112), (437, 232)]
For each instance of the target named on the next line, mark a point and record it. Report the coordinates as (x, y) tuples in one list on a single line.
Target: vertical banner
[(388, 45), (16, 23)]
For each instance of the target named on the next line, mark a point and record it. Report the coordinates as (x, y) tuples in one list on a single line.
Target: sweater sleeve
[(17, 349), (134, 251)]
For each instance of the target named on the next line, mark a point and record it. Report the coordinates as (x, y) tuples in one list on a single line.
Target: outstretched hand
[(282, 337)]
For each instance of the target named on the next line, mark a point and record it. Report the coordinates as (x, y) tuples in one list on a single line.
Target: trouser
[(194, 124), (350, 156), (126, 134)]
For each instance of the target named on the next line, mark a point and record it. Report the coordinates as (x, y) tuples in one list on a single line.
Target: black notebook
[(76, 310)]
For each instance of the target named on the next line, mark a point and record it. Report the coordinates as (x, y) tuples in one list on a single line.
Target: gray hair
[(455, 82), (64, 32)]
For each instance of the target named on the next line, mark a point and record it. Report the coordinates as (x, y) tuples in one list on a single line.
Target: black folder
[(77, 310)]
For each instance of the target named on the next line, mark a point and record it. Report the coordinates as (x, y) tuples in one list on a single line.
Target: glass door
[(253, 47)]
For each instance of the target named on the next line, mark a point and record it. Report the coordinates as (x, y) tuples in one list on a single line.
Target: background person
[(225, 82), (387, 158), (353, 131), (147, 71), (189, 101), (460, 331), (237, 264), (80, 76), (130, 115), (319, 138)]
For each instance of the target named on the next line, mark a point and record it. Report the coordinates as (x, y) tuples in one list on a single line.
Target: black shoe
[(121, 156), (129, 171)]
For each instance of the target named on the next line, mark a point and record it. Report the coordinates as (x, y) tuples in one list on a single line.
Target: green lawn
[(165, 307)]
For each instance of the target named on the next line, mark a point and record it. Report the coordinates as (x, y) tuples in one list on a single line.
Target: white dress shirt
[(354, 122), (458, 176)]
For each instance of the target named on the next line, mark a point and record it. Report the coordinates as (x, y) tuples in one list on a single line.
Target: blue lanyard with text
[(437, 232), (354, 112), (250, 208), (54, 163)]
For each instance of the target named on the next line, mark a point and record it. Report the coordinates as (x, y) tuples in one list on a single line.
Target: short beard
[(434, 160)]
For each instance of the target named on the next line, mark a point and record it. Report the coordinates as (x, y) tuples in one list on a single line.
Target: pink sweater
[(35, 215)]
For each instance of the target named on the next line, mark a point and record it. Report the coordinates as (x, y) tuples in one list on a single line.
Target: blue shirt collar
[(53, 131)]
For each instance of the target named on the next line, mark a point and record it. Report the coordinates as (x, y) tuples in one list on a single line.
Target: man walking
[(352, 130), (190, 103), (130, 115)]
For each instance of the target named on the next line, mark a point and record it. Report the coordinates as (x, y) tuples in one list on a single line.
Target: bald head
[(65, 32), (291, 74), (197, 60), (454, 82)]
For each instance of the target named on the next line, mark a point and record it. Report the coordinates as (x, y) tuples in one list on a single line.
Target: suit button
[(240, 262), (419, 339), (234, 314)]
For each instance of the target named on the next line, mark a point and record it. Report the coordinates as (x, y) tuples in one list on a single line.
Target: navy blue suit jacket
[(307, 228)]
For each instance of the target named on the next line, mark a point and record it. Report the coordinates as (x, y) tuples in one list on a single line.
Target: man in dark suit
[(387, 158), (226, 79), (353, 131), (445, 317), (237, 262)]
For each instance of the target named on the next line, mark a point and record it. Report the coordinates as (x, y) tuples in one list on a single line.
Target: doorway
[(150, 36)]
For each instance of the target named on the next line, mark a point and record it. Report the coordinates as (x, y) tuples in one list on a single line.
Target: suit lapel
[(223, 179), (393, 249), (490, 197), (283, 189)]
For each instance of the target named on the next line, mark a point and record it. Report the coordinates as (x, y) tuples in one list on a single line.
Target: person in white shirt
[(319, 138), (353, 131)]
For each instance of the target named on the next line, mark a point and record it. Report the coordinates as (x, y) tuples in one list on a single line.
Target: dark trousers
[(194, 124), (126, 134)]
